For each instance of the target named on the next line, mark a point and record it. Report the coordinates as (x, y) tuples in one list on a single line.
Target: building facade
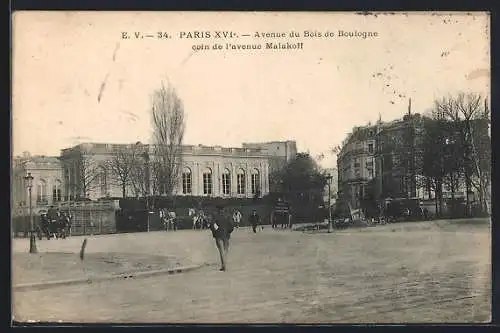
[(398, 146), (278, 152), (90, 171), (47, 187), (212, 171), (386, 161), (356, 165)]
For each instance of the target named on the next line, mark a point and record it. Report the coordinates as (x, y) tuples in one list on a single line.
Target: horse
[(43, 228), (237, 218), (169, 219), (163, 219), (198, 218), (172, 220), (61, 226), (69, 218)]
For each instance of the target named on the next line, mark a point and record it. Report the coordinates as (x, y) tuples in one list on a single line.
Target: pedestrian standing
[(254, 220), (222, 227)]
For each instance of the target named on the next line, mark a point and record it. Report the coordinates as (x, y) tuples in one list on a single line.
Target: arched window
[(226, 182), (56, 191), (207, 181), (41, 192), (187, 181), (240, 181), (255, 181)]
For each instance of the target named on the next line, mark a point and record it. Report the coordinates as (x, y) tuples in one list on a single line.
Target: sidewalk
[(58, 266), (106, 257), (436, 225)]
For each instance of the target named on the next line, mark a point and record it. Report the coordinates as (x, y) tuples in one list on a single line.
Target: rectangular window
[(370, 148), (255, 183), (226, 184), (186, 183), (241, 184), (207, 183)]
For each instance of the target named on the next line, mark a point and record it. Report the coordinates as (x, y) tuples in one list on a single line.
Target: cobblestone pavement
[(279, 276)]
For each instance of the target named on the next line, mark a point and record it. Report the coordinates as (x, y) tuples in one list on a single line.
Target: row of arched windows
[(187, 181), (42, 191)]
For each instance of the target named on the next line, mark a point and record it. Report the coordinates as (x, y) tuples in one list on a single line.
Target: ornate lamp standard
[(29, 183), (329, 180)]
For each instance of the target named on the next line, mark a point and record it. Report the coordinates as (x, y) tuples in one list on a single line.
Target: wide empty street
[(410, 272)]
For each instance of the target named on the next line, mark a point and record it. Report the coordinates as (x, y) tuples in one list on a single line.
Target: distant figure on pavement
[(254, 220), (222, 227)]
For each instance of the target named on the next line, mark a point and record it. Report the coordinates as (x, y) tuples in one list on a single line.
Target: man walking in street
[(254, 220), (222, 227)]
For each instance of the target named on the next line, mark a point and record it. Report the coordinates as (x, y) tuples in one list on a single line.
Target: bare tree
[(88, 173), (139, 176), (167, 115), (470, 123), (121, 165), (476, 121)]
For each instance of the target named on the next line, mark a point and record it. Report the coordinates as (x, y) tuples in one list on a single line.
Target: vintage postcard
[(251, 167)]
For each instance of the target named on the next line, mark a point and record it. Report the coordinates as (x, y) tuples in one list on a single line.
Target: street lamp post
[(330, 227), (29, 183)]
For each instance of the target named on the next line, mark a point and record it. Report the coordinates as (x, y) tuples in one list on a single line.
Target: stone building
[(398, 143), (206, 171), (356, 165), (48, 183), (279, 154)]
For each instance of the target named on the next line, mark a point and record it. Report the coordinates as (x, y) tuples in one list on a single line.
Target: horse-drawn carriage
[(281, 215), (54, 223)]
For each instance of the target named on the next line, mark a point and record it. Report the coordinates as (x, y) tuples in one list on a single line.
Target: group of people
[(54, 224), (253, 218), (200, 218), (169, 219)]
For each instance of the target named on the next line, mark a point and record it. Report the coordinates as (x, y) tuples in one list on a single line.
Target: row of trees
[(457, 148), (448, 148), (136, 166)]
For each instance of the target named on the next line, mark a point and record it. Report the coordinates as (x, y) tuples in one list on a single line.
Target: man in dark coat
[(222, 227), (254, 220)]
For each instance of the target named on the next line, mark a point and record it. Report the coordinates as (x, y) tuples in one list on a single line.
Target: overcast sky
[(63, 62)]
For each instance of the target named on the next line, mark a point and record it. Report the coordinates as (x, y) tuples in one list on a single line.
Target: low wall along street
[(89, 217)]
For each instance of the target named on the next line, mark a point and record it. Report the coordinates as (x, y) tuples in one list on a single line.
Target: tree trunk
[(428, 187), (439, 195), (467, 190), (436, 197), (124, 190)]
